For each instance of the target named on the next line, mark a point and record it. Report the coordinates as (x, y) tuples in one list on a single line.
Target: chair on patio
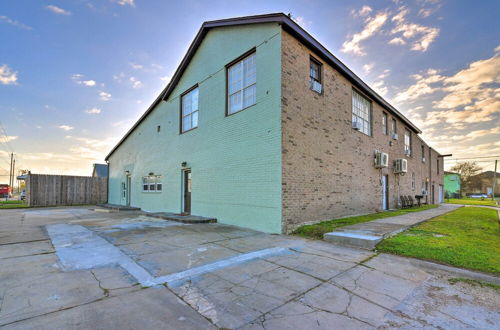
[(404, 203), (411, 203)]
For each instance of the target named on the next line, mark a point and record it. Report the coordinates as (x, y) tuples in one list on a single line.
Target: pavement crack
[(104, 290)]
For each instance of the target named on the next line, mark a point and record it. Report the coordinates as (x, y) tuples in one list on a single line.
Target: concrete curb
[(459, 272)]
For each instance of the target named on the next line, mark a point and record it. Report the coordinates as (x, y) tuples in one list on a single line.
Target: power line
[(472, 158)]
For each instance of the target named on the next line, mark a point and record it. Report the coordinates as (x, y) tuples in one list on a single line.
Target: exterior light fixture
[(184, 164)]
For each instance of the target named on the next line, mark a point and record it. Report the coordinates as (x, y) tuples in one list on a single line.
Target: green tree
[(467, 171)]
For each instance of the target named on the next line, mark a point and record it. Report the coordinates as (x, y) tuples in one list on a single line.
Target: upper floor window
[(152, 183), (242, 84), (189, 110), (407, 142), (361, 113), (384, 123), (438, 166), (423, 154), (394, 129), (315, 75)]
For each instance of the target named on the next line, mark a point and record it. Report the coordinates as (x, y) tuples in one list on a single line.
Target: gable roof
[(290, 26)]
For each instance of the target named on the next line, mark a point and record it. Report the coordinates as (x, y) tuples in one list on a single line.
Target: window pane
[(194, 119), (249, 71), (158, 187), (235, 78), (186, 123), (249, 97), (235, 103), (145, 187), (152, 187)]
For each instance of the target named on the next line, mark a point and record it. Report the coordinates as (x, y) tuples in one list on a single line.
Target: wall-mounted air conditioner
[(316, 86), (395, 136), (357, 125), (400, 166), (381, 159), (407, 152)]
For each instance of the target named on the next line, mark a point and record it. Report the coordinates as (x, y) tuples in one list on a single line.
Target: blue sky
[(76, 74)]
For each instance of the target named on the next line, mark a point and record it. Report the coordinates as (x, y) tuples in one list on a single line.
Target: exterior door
[(385, 192), (129, 184), (432, 194), (186, 177), (440, 194)]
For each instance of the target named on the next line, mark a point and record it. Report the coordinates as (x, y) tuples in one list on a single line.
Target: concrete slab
[(367, 235), (224, 277), (153, 308)]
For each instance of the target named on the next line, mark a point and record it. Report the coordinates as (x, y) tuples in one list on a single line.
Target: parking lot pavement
[(74, 268)]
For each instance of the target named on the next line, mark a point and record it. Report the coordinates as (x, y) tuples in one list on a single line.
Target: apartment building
[(262, 127)]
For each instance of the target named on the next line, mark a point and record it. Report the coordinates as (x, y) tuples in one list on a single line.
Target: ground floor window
[(152, 183), (124, 190)]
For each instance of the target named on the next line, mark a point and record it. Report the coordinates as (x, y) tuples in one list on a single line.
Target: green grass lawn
[(12, 204), (468, 237), (471, 201), (317, 230)]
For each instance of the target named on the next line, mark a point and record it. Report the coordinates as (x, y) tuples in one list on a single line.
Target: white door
[(385, 193), (440, 194)]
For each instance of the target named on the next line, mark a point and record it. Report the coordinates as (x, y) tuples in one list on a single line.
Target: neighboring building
[(452, 185), (263, 127), (100, 170), (482, 183)]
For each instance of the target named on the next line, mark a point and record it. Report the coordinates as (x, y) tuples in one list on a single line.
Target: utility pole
[(494, 180), (10, 172), (13, 175)]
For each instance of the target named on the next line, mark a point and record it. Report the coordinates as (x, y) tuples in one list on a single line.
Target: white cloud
[(397, 41), (372, 26), (421, 37), (136, 66), (365, 10), (93, 111), (8, 138), (368, 67), (165, 78), (135, 82), (425, 85), (10, 21), (126, 2), (7, 76), (380, 87), (66, 127), (58, 10), (103, 96), (300, 20), (78, 79)]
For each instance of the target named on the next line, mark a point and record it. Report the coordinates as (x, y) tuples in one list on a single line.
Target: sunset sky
[(76, 74)]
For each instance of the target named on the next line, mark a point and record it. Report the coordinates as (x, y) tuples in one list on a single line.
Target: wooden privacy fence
[(53, 190)]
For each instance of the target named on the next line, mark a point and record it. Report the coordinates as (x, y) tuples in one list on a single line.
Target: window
[(361, 113), (242, 84), (394, 128), (315, 76), (413, 181), (423, 154), (384, 123), (189, 110), (437, 166), (407, 142), (151, 183)]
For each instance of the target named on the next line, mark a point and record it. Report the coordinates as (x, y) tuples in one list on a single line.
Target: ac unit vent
[(381, 159), (316, 86), (395, 136), (407, 152), (400, 166), (357, 125)]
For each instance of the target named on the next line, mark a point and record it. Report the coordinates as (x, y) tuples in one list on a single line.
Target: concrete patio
[(75, 268)]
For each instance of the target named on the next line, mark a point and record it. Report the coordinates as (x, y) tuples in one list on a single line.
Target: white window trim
[(242, 86), (407, 147), (356, 115), (194, 110), (157, 181)]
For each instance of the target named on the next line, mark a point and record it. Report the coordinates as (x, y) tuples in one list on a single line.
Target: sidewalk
[(367, 235)]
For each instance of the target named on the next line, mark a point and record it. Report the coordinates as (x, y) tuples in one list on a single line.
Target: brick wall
[(328, 170)]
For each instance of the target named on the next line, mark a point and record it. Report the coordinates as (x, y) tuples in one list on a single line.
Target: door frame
[(184, 174), (385, 192)]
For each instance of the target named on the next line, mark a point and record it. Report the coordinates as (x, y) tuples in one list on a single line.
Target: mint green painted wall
[(452, 183), (235, 160)]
